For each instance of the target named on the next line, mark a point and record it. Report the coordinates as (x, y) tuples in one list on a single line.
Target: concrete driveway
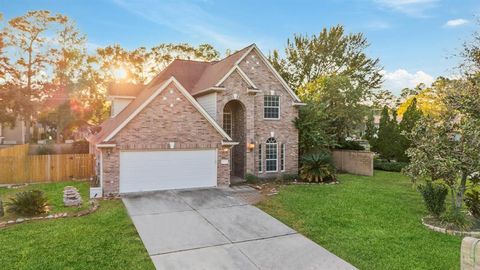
[(210, 229)]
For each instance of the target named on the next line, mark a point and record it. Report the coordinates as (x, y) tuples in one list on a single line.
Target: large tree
[(410, 118), (387, 141), (27, 37), (331, 52), (341, 102)]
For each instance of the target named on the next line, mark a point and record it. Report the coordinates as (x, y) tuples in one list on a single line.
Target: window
[(282, 157), (227, 121), (271, 107), (271, 155), (260, 158)]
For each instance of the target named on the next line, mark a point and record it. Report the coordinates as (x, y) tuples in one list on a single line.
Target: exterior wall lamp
[(251, 146)]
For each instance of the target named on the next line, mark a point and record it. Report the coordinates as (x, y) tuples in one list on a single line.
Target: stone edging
[(93, 207), (451, 232)]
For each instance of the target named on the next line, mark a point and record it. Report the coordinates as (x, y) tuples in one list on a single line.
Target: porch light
[(251, 146)]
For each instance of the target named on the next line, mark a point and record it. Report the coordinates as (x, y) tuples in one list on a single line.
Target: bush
[(434, 196), (350, 145), (317, 167), (383, 165), (457, 220), (28, 203), (251, 179), (472, 201), (45, 150)]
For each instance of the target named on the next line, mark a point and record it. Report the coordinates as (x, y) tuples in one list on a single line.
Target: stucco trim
[(155, 94)]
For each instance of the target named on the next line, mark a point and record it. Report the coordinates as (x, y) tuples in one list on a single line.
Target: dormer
[(121, 94)]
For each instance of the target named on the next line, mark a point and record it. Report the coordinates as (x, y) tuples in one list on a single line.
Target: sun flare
[(120, 73)]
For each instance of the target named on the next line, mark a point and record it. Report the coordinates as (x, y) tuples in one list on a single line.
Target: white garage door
[(160, 170)]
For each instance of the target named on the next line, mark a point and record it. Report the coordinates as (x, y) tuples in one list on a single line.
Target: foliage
[(364, 213), (350, 145), (317, 167), (472, 201), (340, 101), (251, 179), (410, 118), (385, 165), (434, 196), (311, 128), (370, 130), (387, 141), (456, 219), (2, 212), (45, 150), (446, 147), (331, 52), (28, 203)]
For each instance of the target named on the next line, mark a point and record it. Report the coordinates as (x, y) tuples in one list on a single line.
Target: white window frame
[(228, 112), (260, 158), (270, 144), (264, 106), (282, 157)]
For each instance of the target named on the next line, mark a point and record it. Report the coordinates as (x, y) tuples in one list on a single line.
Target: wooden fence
[(18, 167)]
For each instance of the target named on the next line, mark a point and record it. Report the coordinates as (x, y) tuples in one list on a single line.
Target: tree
[(7, 116), (341, 102), (27, 35), (410, 118), (371, 130), (386, 143), (382, 98), (446, 147), (332, 52), (312, 137)]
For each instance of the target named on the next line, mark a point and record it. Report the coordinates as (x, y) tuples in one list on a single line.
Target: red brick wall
[(170, 117)]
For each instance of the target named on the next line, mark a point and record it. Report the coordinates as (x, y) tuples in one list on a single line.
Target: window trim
[(260, 158), (283, 151), (229, 112), (279, 108), (276, 155)]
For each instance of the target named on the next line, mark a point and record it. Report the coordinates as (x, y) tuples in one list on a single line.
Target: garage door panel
[(160, 170)]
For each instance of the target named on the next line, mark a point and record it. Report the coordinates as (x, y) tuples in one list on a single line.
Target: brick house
[(199, 124)]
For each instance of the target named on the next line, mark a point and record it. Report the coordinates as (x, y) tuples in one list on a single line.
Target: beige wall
[(354, 162)]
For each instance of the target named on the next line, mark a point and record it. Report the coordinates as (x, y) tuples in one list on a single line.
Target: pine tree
[(387, 144), (410, 119), (370, 131)]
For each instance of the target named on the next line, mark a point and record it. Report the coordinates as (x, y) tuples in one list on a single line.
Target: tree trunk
[(461, 192), (27, 129)]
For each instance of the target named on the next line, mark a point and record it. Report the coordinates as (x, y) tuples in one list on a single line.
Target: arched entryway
[(234, 124)]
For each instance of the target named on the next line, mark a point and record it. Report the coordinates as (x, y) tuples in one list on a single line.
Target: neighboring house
[(199, 124), (13, 135)]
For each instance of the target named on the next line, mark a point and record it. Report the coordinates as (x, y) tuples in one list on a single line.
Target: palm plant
[(317, 167)]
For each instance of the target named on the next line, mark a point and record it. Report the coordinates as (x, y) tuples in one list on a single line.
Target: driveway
[(211, 229)]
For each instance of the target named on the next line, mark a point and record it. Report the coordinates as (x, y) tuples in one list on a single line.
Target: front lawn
[(54, 193), (371, 222), (105, 239)]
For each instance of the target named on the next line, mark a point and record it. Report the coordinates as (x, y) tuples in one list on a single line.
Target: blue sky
[(414, 39)]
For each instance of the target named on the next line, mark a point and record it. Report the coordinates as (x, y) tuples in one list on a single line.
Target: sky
[(415, 40)]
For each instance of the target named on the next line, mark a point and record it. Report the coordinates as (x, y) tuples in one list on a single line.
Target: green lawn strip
[(54, 193), (105, 239), (372, 222)]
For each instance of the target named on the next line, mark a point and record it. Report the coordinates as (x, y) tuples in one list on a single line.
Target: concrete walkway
[(210, 229)]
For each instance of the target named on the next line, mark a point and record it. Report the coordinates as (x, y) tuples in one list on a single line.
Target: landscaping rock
[(71, 196)]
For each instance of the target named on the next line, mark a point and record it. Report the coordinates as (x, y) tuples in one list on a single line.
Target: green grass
[(105, 239), (371, 222), (54, 193)]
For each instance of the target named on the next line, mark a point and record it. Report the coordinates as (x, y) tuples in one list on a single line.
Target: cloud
[(455, 22), (378, 25), (414, 8), (397, 80), (182, 16)]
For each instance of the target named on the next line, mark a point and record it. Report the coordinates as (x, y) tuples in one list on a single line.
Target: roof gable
[(112, 126)]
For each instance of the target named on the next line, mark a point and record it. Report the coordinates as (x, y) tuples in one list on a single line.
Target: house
[(13, 134), (199, 124)]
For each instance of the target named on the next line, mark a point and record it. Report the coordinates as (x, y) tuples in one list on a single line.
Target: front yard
[(371, 222), (105, 239)]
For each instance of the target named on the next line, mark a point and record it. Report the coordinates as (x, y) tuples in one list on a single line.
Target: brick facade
[(170, 117), (258, 129)]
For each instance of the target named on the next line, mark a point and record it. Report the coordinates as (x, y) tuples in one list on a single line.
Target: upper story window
[(228, 121), (271, 107)]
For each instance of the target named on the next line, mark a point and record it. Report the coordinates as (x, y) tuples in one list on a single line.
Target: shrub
[(317, 167), (434, 196), (45, 150), (350, 145), (251, 179), (472, 201), (28, 203), (456, 219), (380, 164)]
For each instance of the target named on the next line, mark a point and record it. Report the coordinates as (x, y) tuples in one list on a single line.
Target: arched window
[(271, 155), (228, 120)]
